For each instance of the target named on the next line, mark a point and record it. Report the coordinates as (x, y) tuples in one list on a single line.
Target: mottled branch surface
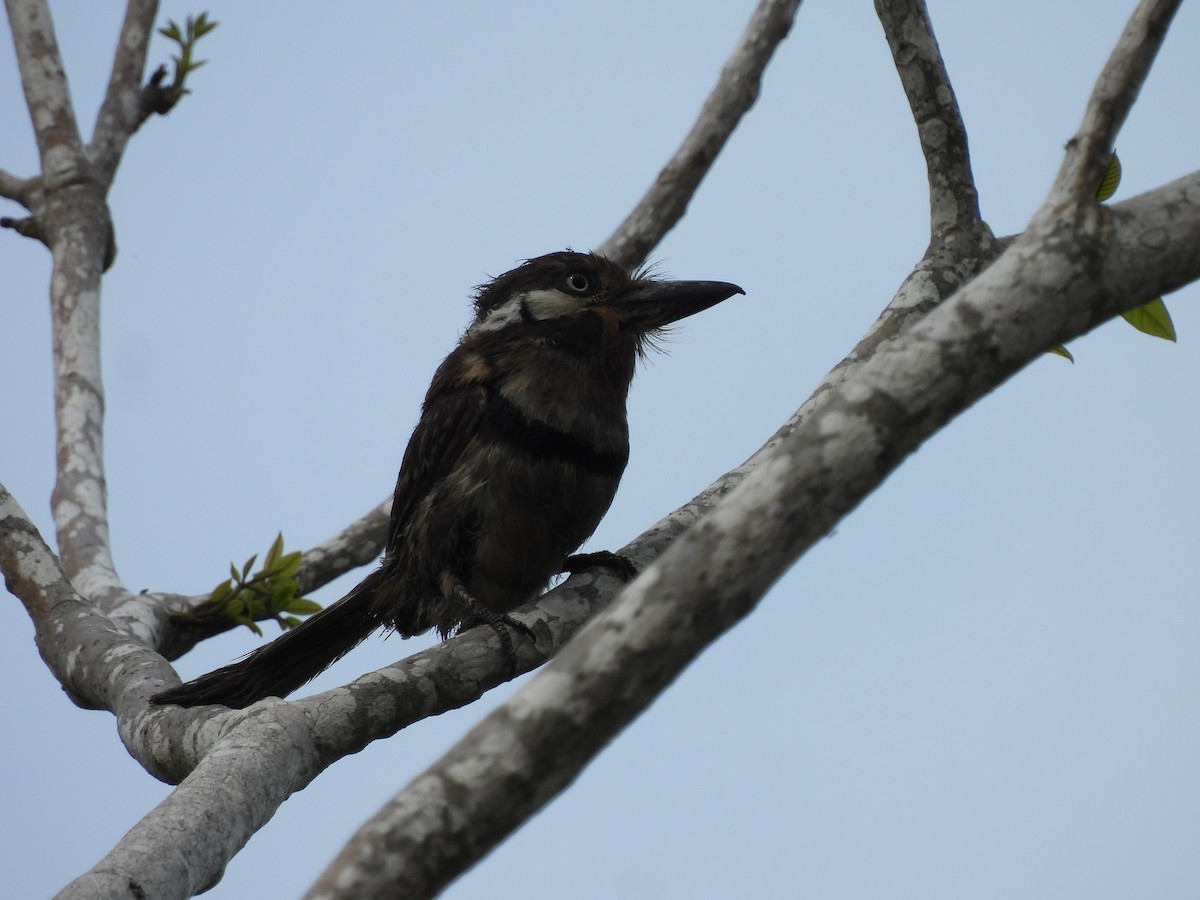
[(953, 200), (72, 218)]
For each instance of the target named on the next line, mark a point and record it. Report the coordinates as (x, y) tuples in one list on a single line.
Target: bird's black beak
[(653, 304)]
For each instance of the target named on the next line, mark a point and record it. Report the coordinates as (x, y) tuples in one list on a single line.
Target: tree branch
[(75, 224), (170, 853), (953, 199), (46, 93), (121, 112), (737, 89), (19, 190), (1088, 152), (168, 625), (98, 666)]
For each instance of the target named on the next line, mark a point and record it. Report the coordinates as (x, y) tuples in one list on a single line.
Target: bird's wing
[(449, 419)]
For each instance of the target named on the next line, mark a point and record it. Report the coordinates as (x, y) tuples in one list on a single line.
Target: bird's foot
[(621, 566), (496, 621)]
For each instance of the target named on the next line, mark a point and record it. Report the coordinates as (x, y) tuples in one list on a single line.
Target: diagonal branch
[(953, 199), (736, 91), (1120, 80)]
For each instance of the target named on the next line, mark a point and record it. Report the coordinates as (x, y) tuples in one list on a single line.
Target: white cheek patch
[(535, 305), (503, 315), (550, 304)]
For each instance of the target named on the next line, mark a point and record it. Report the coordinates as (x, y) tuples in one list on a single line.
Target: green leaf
[(289, 565), (220, 592), (234, 608), (1112, 178), (1153, 319), (289, 621), (1062, 351), (282, 593), (273, 553), (303, 606), (248, 566)]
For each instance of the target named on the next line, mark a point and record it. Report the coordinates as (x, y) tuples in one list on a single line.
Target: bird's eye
[(578, 283)]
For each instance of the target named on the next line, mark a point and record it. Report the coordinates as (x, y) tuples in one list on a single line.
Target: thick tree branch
[(262, 756), (736, 91), (121, 112), (953, 200)]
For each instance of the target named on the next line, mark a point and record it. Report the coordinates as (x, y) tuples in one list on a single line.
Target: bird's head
[(559, 287)]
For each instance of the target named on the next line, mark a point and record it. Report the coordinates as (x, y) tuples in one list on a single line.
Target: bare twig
[(667, 199), (29, 226), (953, 200)]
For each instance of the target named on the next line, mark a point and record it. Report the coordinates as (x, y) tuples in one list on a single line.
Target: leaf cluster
[(193, 29), (272, 592)]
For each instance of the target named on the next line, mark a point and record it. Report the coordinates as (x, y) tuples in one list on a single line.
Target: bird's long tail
[(292, 659)]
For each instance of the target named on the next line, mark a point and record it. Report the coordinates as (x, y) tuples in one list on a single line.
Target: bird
[(517, 454)]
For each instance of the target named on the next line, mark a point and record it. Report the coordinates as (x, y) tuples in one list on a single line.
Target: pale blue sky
[(985, 684)]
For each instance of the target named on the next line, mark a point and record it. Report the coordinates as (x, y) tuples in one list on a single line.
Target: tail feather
[(292, 659)]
